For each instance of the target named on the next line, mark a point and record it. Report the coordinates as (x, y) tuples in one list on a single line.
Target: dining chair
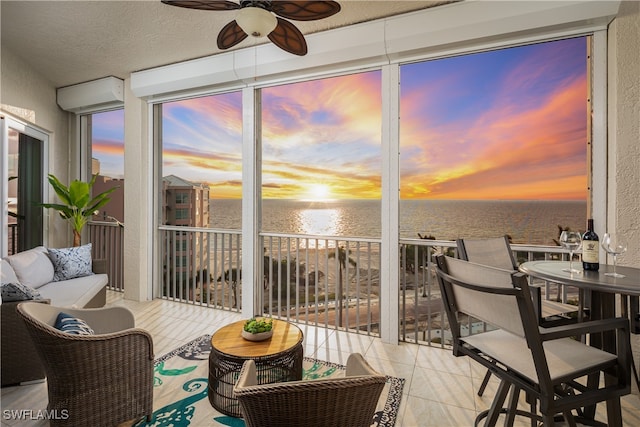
[(548, 364), (348, 401), (103, 378), (496, 252)]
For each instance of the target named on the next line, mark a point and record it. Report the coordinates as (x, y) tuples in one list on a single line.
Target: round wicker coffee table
[(278, 359)]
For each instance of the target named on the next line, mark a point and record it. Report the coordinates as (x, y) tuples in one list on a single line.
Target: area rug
[(180, 389)]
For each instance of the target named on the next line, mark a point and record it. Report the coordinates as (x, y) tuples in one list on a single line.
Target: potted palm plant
[(77, 205)]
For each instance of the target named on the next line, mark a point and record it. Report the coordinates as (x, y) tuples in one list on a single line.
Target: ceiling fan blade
[(230, 35), (287, 37), (305, 10), (203, 4)]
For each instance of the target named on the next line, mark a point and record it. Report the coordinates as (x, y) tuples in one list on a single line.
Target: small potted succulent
[(257, 329)]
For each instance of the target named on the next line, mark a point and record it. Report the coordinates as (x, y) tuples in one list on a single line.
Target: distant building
[(186, 204), (95, 166), (115, 207)]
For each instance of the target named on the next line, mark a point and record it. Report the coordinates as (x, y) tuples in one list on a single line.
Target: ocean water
[(526, 221)]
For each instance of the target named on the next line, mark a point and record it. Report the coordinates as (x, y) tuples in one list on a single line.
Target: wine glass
[(614, 245), (570, 240)]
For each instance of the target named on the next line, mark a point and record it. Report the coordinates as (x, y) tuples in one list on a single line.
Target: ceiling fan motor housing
[(256, 21)]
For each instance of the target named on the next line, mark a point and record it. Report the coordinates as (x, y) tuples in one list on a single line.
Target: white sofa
[(34, 268)]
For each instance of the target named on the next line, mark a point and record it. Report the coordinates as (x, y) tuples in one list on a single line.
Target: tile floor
[(440, 389)]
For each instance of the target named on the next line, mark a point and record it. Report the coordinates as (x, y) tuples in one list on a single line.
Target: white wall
[(27, 95), (624, 129)]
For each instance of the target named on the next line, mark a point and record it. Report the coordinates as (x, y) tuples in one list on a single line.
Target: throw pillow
[(18, 292), (72, 325), (32, 267), (69, 263)]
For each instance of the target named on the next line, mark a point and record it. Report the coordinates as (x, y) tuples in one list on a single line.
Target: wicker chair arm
[(99, 266), (345, 401)]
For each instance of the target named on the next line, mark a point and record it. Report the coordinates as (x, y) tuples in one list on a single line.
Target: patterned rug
[(180, 389)]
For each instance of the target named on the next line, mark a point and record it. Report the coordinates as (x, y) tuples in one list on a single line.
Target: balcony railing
[(318, 280), (107, 243), (12, 238), (422, 317), (321, 281), (201, 266)]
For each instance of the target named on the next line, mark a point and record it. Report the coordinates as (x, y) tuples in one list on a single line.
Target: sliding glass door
[(23, 177)]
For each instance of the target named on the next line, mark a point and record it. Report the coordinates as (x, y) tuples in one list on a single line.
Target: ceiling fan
[(256, 18)]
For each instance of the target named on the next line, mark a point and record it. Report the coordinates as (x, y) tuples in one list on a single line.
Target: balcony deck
[(440, 389)]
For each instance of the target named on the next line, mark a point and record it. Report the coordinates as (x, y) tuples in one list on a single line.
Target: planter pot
[(261, 336)]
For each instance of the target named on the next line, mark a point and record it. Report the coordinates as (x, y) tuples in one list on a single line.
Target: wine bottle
[(590, 248)]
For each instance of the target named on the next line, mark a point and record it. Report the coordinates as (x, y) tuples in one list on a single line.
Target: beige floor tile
[(442, 360), (348, 342), (417, 412), (401, 353), (334, 356), (449, 389), (394, 369)]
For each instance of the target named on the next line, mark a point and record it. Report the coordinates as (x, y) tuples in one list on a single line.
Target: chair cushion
[(70, 263), (564, 356), (32, 267), (18, 292), (72, 325)]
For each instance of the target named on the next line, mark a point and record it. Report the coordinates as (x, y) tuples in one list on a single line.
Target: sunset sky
[(508, 124)]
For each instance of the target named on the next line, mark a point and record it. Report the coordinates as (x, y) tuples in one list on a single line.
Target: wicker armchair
[(20, 362), (93, 380), (347, 402)]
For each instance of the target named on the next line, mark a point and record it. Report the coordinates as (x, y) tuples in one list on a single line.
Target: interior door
[(24, 151)]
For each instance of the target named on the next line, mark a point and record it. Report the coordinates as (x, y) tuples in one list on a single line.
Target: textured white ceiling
[(77, 41)]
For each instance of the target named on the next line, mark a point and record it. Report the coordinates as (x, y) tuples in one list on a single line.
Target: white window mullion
[(251, 170), (389, 271)]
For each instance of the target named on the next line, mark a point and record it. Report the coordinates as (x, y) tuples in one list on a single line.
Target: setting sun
[(318, 192)]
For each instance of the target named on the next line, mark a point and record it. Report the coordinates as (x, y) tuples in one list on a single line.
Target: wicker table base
[(277, 359)]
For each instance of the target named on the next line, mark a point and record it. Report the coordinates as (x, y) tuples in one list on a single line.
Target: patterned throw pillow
[(18, 292), (70, 263), (72, 325)]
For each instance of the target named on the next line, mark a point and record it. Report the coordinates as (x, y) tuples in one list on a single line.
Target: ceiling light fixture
[(257, 18), (256, 21)]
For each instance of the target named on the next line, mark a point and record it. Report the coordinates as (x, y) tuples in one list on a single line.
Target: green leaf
[(77, 205)]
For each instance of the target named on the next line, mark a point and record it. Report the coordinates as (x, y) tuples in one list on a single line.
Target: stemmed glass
[(571, 240), (614, 245)]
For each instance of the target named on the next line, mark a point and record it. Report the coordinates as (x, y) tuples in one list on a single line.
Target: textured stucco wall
[(29, 96), (623, 207), (624, 129)]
